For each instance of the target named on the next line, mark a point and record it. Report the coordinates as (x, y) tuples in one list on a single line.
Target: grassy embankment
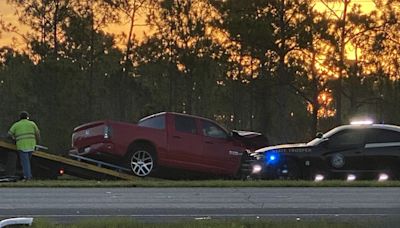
[(260, 223)]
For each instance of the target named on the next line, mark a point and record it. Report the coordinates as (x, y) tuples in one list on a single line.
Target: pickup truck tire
[(142, 161)]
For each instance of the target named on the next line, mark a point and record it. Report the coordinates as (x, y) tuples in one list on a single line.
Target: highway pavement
[(166, 204)]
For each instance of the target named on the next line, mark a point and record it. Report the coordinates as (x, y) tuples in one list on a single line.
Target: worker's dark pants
[(25, 159), (11, 165)]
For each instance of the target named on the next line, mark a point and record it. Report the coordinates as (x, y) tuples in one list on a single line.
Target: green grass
[(148, 182), (281, 223)]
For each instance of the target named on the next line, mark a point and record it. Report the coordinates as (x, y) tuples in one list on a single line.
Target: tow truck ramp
[(75, 166)]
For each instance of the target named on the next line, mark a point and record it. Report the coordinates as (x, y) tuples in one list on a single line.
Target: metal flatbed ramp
[(73, 167)]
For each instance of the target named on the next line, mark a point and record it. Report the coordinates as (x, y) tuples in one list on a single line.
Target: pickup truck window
[(185, 124), (157, 122), (213, 130)]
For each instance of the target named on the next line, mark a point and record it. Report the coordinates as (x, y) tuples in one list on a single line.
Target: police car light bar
[(361, 122)]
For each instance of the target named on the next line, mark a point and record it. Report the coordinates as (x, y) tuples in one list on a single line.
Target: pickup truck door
[(185, 142), (220, 153)]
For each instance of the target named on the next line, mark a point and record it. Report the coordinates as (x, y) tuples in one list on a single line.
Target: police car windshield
[(314, 142), (328, 134)]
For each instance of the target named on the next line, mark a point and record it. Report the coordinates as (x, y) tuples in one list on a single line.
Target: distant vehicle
[(361, 151), (168, 140)]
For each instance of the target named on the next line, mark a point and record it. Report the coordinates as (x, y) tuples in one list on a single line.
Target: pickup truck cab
[(168, 140)]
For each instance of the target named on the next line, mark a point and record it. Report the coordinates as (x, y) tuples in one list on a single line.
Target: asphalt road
[(162, 204)]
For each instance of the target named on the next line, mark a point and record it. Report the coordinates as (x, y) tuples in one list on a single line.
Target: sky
[(7, 12)]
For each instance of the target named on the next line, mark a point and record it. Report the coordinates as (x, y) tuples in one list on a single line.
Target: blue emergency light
[(272, 157)]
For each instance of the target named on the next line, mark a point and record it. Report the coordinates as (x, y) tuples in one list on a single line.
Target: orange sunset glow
[(8, 14), (249, 64)]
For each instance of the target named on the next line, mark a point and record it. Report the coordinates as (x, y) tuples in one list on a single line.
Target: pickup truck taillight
[(107, 132)]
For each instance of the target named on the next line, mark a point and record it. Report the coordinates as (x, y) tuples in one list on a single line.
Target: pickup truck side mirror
[(231, 136), (234, 134)]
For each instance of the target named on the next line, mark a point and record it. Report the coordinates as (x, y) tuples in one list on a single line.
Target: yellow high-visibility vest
[(24, 133)]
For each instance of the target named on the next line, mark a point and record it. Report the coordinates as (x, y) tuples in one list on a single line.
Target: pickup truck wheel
[(141, 162)]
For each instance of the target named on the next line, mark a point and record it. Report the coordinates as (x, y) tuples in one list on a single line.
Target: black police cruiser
[(360, 151)]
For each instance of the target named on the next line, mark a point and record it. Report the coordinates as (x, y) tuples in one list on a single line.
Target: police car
[(356, 151)]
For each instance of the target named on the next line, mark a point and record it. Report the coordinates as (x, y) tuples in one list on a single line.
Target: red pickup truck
[(168, 140)]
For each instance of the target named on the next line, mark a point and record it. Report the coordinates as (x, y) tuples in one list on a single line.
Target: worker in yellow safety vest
[(26, 134)]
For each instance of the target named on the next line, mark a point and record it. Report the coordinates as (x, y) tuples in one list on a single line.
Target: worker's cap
[(24, 115)]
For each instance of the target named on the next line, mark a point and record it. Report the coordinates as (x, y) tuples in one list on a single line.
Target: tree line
[(284, 68)]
